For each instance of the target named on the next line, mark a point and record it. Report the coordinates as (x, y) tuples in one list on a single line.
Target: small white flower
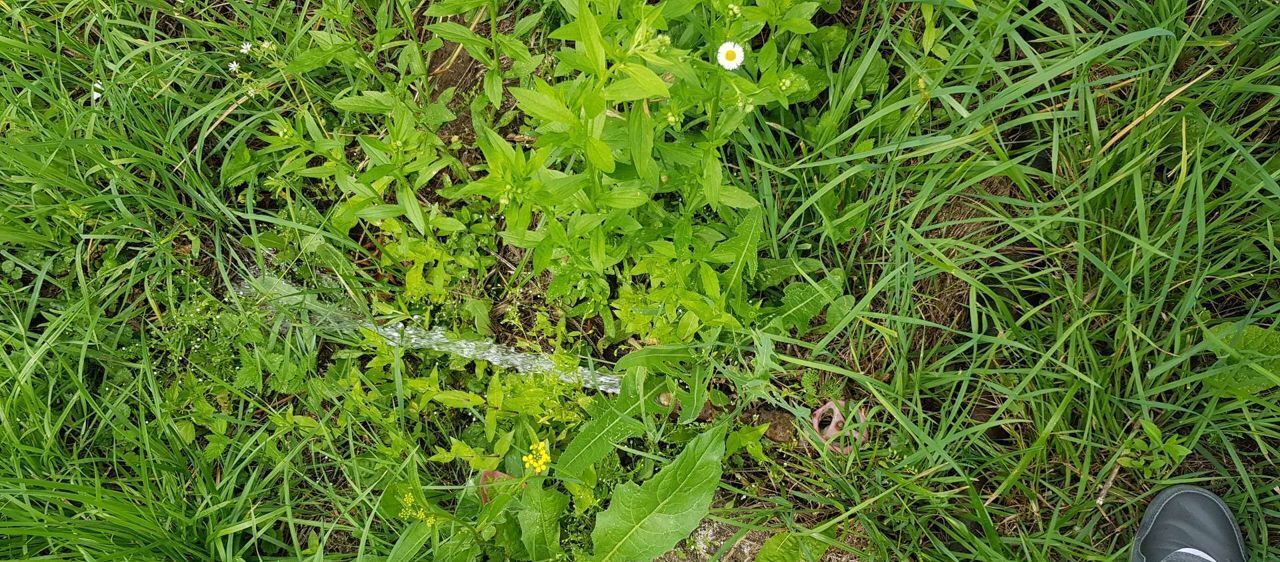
[(730, 55), (233, 66), (96, 96), (97, 90), (245, 48)]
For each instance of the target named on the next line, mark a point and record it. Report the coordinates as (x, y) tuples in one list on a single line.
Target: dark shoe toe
[(1188, 517)]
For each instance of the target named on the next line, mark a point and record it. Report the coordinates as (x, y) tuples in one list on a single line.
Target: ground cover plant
[(959, 280)]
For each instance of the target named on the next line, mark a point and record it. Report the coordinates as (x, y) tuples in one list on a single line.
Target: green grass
[(1009, 249)]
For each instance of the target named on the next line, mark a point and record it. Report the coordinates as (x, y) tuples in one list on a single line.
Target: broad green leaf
[(640, 135), (712, 176), (642, 522), (412, 208), (493, 86), (529, 22), (640, 83), (461, 547), (799, 26), (415, 282), (312, 59), (661, 358), (737, 198), (838, 310), (368, 102), (459, 34), (186, 431), (596, 251), (742, 251), (599, 154), (802, 301), (626, 89), (539, 517), (672, 9), (542, 106), (562, 188), (590, 42), (1152, 430), (410, 544), (610, 423), (523, 62), (236, 169), (693, 400), (648, 80), (624, 198), (479, 309), (748, 438), (432, 115), (249, 375), (346, 214), (453, 7), (447, 224), (791, 547), (774, 271), (496, 149), (710, 282), (458, 399), (1248, 360)]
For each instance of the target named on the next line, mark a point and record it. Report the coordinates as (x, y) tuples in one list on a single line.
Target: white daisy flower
[(246, 47), (233, 66), (730, 55)]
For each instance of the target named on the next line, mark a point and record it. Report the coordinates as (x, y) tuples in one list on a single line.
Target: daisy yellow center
[(730, 55)]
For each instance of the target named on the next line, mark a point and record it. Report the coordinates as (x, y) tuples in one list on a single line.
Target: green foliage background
[(1028, 248)]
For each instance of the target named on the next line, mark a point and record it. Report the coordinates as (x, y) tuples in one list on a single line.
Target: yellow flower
[(409, 511), (538, 458)]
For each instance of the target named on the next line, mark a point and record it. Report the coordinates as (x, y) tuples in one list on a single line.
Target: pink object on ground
[(832, 429)]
